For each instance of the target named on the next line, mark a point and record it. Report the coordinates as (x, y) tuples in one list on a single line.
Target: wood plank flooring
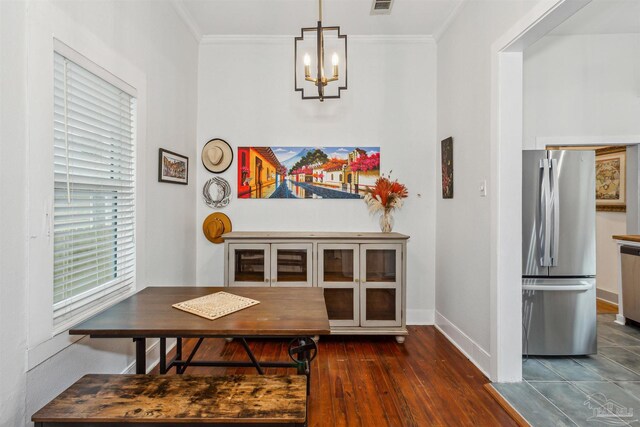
[(373, 381), (604, 307)]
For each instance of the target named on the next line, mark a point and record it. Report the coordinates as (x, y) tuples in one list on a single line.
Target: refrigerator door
[(535, 212), (573, 206), (559, 317)]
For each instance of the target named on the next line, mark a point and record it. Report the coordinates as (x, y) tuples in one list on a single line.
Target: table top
[(312, 235), (627, 237), (149, 313)]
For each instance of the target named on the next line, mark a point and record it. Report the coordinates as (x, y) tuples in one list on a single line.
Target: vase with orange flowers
[(385, 197)]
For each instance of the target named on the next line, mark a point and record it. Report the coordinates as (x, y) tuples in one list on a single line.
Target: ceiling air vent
[(381, 7)]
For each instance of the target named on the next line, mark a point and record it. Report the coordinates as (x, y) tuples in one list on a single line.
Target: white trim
[(84, 62), (506, 175), (420, 316), (275, 39), (153, 356), (544, 17), (47, 23), (472, 350), (409, 38), (50, 348), (543, 141), (439, 32), (187, 18)]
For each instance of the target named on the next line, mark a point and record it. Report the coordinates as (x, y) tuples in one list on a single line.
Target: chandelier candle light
[(315, 40)]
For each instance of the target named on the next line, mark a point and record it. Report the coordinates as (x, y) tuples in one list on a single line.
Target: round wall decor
[(216, 192)]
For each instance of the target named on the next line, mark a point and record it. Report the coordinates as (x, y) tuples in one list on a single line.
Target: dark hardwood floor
[(373, 381)]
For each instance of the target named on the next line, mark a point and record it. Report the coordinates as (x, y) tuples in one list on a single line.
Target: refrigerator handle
[(545, 202), (555, 194)]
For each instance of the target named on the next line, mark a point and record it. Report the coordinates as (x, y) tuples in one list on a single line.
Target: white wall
[(582, 85), (145, 39), (607, 225), (246, 97), (13, 228), (463, 249), (585, 86)]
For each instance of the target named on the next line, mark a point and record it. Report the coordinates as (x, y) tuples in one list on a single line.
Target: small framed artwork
[(173, 167), (447, 168), (611, 170)]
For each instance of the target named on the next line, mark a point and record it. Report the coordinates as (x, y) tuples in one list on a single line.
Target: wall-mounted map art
[(306, 172), (611, 179)]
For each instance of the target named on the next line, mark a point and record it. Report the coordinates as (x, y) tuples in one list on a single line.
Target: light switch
[(483, 188)]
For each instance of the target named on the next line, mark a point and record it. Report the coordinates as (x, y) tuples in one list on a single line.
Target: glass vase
[(386, 221)]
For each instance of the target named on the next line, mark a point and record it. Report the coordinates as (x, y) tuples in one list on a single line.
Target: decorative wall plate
[(216, 192)]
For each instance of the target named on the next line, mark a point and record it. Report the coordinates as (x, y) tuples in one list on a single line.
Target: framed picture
[(447, 168), (173, 167), (277, 172), (611, 170)]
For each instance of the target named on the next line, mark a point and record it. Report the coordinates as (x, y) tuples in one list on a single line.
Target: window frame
[(49, 28), (94, 301)]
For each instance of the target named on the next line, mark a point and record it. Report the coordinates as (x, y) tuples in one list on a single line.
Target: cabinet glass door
[(291, 264), (380, 290), (339, 275), (248, 264)]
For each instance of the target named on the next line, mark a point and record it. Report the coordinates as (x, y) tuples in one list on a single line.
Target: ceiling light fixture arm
[(320, 80)]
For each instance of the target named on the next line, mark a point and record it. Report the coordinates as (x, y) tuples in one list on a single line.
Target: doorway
[(509, 129)]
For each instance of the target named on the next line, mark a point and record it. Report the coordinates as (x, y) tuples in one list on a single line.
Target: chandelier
[(309, 59)]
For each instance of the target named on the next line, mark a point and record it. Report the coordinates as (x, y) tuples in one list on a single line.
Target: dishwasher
[(630, 256)]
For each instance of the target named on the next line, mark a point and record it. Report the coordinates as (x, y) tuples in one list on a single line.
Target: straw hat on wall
[(215, 225), (217, 155)]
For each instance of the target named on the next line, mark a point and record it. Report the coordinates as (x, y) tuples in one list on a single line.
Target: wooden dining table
[(297, 314)]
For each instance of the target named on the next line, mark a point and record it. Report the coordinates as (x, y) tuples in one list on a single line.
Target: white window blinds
[(94, 192)]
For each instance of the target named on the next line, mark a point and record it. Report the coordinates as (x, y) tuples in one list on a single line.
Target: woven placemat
[(215, 305)]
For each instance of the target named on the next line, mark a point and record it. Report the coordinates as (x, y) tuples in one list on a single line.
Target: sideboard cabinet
[(363, 274)]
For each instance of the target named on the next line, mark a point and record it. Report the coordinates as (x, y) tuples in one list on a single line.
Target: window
[(94, 188)]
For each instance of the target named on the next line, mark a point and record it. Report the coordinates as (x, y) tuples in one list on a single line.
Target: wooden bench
[(153, 400)]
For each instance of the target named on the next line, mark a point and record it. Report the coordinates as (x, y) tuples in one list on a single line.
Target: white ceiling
[(603, 17), (286, 17)]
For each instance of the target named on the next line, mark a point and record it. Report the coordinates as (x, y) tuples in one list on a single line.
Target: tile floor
[(599, 390)]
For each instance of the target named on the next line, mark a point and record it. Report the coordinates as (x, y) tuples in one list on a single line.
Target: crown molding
[(187, 18), (437, 34), (275, 39)]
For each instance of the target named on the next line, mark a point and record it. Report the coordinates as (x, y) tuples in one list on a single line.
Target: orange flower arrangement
[(385, 196)]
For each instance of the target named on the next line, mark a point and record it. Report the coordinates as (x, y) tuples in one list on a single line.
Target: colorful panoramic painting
[(306, 172)]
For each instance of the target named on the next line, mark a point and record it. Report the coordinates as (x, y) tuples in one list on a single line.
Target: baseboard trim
[(607, 296), (476, 354), (420, 316), (153, 356)]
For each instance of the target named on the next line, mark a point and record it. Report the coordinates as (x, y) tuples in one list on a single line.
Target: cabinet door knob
[(273, 279), (266, 280), (356, 280)]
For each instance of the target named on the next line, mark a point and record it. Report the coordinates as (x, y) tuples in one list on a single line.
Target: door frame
[(506, 174)]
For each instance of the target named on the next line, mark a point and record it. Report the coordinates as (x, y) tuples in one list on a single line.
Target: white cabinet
[(381, 285), (266, 264), (291, 264), (339, 275), (249, 264), (363, 274)]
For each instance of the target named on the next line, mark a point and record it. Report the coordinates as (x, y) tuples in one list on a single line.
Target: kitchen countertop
[(628, 237)]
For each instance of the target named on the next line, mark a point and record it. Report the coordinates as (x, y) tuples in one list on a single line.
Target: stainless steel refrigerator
[(558, 253)]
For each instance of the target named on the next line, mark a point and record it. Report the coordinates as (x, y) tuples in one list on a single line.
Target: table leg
[(141, 355), (163, 356), (252, 356)]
